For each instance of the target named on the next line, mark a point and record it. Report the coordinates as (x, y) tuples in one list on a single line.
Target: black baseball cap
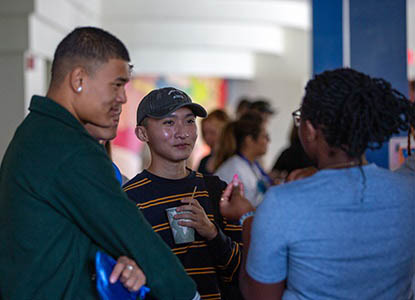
[(160, 103)]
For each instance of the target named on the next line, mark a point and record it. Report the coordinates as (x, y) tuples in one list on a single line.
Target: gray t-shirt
[(337, 235), (249, 174)]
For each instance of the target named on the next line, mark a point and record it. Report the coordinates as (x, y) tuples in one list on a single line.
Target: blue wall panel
[(327, 35), (378, 40)]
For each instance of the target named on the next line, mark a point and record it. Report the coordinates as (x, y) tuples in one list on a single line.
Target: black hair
[(262, 106), (243, 104), (249, 124), (234, 134), (355, 111), (87, 47)]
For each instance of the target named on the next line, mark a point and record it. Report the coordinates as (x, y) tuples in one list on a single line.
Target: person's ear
[(310, 131), (141, 133), (77, 79), (248, 140)]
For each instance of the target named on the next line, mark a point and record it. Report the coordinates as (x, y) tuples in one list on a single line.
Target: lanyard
[(263, 173)]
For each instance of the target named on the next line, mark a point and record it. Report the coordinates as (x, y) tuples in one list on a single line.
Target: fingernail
[(235, 180)]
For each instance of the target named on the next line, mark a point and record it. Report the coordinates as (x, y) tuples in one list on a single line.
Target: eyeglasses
[(297, 117)]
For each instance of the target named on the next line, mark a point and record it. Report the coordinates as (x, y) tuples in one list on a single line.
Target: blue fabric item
[(339, 234), (117, 173), (104, 264)]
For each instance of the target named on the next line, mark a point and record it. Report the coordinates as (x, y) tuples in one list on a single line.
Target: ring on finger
[(129, 267)]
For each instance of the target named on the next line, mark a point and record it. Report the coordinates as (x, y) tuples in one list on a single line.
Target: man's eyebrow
[(122, 79)]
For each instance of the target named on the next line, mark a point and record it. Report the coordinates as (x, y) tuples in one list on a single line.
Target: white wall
[(12, 95), (282, 81), (35, 78), (13, 34)]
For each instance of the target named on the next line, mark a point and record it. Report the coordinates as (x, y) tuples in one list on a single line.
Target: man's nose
[(122, 95), (181, 131)]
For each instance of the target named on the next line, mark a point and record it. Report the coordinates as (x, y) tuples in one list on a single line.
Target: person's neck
[(249, 155), (61, 97), (169, 170), (340, 161)]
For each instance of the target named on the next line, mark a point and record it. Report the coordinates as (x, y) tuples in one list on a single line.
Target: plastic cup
[(181, 234)]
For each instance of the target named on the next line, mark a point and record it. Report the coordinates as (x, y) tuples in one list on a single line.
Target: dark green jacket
[(59, 203)]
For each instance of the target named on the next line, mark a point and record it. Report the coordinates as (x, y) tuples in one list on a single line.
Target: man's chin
[(107, 123), (110, 137), (181, 158)]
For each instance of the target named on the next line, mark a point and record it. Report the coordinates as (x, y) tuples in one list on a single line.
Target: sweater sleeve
[(88, 193), (226, 247), (227, 254)]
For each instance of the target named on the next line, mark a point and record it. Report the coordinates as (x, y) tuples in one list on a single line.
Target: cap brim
[(197, 109)]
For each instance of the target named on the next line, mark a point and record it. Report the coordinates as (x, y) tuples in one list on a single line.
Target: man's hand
[(197, 218), (130, 275), (233, 204)]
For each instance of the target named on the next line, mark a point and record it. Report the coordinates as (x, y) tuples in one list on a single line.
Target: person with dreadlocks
[(346, 232)]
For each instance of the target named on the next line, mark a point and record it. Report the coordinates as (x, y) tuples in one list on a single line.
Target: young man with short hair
[(60, 202), (166, 121)]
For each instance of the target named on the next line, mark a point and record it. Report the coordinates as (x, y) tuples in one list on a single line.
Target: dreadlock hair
[(234, 134), (355, 111), (87, 47)]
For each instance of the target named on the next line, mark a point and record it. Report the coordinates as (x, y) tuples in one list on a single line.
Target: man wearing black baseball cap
[(166, 121)]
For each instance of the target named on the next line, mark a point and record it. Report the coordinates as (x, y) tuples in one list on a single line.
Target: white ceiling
[(204, 37)]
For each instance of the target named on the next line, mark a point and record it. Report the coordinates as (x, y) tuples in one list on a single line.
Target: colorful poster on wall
[(398, 151), (128, 152)]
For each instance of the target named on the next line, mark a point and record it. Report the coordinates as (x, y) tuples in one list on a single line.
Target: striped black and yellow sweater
[(214, 264)]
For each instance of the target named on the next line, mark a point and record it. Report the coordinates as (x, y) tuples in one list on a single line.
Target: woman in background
[(212, 127), (242, 143)]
